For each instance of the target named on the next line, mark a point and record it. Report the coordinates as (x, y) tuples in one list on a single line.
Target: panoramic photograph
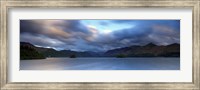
[(97, 44)]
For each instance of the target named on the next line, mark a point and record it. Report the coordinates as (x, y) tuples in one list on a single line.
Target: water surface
[(101, 64)]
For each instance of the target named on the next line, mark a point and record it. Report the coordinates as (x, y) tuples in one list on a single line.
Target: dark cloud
[(28, 26), (73, 35), (59, 30), (72, 26), (158, 33)]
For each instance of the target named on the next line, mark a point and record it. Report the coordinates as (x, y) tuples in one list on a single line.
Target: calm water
[(101, 64)]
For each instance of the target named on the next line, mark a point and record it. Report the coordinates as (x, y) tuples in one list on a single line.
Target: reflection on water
[(101, 64)]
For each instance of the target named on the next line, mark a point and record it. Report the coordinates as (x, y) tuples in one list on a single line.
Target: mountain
[(50, 52), (149, 50), (29, 51)]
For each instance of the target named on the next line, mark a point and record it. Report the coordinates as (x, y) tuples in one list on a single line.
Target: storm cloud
[(98, 35)]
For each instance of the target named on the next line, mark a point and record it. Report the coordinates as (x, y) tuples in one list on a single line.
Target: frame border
[(5, 5)]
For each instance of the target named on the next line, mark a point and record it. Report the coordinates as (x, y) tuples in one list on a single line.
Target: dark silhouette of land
[(29, 51)]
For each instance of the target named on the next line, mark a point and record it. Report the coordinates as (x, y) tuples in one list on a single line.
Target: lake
[(157, 63)]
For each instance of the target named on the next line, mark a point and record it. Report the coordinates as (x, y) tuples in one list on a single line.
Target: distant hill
[(29, 51), (50, 52), (149, 50)]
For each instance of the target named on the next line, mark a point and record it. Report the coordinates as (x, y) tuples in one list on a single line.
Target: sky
[(98, 35)]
